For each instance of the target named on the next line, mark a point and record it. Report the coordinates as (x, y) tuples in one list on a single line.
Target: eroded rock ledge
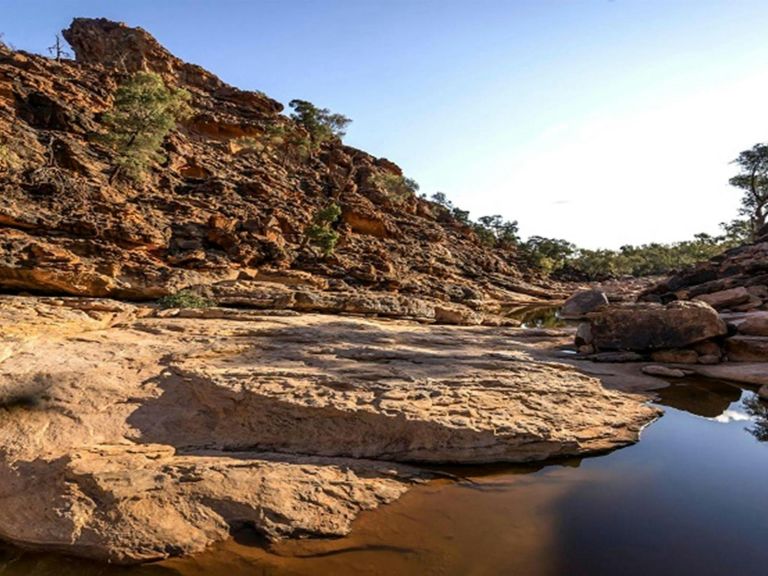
[(131, 437)]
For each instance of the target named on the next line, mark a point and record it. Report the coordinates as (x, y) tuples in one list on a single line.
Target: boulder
[(726, 298), (582, 303), (648, 326), (584, 334), (747, 349), (754, 325), (664, 371)]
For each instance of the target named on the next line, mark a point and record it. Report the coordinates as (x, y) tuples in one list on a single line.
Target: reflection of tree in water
[(758, 409)]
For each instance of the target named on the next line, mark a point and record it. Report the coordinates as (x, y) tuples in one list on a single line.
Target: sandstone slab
[(134, 436)]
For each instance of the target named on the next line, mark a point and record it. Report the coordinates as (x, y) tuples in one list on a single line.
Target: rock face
[(645, 327), (131, 435), (219, 210), (582, 303)]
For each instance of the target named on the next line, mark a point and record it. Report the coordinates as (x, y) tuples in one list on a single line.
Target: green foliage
[(396, 187), (495, 231), (752, 179), (737, 232), (645, 260), (144, 111), (290, 144), (321, 123), (10, 161), (457, 213), (184, 299), (320, 232), (547, 254)]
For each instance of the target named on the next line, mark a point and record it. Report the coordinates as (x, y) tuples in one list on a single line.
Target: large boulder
[(646, 326), (582, 303)]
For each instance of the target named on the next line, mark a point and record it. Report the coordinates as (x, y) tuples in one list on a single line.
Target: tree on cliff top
[(321, 123), (145, 110), (753, 180)]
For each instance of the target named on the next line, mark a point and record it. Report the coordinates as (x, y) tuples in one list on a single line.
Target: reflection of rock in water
[(758, 409), (536, 316), (708, 398)]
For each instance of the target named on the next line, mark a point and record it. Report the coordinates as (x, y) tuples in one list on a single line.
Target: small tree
[(753, 180), (145, 110), (321, 123), (497, 230), (320, 232), (57, 50)]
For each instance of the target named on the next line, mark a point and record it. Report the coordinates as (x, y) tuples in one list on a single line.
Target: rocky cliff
[(218, 213)]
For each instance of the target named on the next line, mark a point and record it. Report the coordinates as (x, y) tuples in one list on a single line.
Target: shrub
[(321, 123), (395, 186), (320, 232), (184, 299), (145, 110), (290, 143)]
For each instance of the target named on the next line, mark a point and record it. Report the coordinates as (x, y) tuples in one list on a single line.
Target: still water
[(690, 498)]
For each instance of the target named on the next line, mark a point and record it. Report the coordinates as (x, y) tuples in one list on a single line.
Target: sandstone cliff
[(217, 214)]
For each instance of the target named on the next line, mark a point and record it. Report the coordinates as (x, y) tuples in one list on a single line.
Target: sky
[(601, 122)]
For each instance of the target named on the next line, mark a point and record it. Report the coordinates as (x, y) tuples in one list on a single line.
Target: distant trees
[(547, 254), (562, 259), (752, 179), (321, 123), (645, 260), (144, 111)]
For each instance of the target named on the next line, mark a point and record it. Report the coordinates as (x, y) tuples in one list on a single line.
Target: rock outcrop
[(735, 281), (131, 434), (220, 209)]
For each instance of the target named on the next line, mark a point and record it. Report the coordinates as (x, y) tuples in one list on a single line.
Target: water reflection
[(707, 398), (758, 410), (536, 316)]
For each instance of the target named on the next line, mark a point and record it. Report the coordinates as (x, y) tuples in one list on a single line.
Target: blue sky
[(602, 122)]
